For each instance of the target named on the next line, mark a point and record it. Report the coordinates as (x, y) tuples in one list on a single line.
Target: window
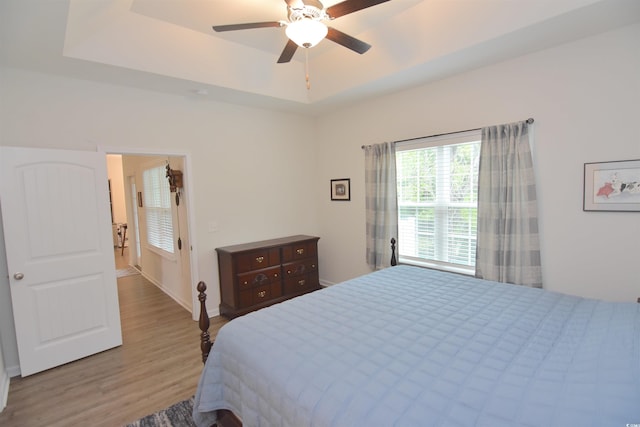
[(437, 180), (157, 205)]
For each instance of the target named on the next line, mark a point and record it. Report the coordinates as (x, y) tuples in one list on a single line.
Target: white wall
[(252, 169), (7, 332), (4, 382), (8, 346), (584, 97), (114, 172)]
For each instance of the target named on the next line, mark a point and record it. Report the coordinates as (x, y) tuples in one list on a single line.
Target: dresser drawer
[(259, 278), (258, 259), (300, 250), (252, 275), (299, 267), (260, 294), (303, 283)]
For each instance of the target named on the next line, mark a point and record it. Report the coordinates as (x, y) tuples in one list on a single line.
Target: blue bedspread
[(412, 347)]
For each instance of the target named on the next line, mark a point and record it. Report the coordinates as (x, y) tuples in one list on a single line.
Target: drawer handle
[(313, 266), (301, 282), (259, 259), (260, 279), (246, 282), (300, 251), (275, 275), (288, 271), (261, 294)]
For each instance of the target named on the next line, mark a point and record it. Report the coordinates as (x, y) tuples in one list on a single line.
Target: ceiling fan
[(305, 28)]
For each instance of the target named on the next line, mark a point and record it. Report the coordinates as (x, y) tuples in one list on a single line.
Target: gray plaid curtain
[(508, 248), (381, 203)]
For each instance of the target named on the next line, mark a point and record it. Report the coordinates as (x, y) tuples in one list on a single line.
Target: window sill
[(162, 253), (469, 271)]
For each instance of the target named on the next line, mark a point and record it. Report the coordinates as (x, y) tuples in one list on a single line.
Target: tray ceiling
[(169, 45)]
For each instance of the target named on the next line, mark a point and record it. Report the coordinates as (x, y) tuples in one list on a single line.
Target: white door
[(55, 211)]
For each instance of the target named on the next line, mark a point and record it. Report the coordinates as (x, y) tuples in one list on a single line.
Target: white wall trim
[(326, 283), (195, 273), (166, 291), (4, 389), (13, 371)]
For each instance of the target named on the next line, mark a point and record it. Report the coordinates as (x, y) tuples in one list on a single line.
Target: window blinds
[(437, 182), (157, 204)]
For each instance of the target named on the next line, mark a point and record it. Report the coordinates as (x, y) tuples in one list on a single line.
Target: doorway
[(73, 229), (170, 269)]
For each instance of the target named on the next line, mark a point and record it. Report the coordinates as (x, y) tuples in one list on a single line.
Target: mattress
[(407, 346)]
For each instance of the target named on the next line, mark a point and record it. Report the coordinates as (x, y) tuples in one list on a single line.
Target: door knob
[(18, 276)]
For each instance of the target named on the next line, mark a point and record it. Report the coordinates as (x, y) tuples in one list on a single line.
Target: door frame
[(193, 254), (135, 230)]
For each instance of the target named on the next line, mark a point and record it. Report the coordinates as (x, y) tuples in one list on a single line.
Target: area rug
[(177, 415), (129, 271)]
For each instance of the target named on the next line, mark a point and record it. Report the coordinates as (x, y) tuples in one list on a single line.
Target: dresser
[(257, 274)]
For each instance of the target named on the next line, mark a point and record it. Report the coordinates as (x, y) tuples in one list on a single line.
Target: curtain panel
[(508, 248), (381, 203)]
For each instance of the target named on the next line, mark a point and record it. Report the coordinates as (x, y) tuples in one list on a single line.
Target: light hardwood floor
[(158, 364)]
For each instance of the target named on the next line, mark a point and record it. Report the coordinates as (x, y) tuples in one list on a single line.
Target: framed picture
[(612, 186), (139, 199), (340, 189)]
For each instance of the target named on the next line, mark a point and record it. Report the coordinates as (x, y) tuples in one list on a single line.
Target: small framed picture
[(340, 189), (612, 186), (139, 199)]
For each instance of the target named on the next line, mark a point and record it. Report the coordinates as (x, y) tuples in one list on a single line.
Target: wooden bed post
[(226, 418), (393, 252), (203, 322)]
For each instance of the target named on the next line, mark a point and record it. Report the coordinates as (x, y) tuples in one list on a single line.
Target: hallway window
[(157, 206)]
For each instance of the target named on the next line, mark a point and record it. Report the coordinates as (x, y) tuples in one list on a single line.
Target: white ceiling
[(169, 46)]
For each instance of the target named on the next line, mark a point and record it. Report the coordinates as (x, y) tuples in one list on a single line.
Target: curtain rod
[(529, 121)]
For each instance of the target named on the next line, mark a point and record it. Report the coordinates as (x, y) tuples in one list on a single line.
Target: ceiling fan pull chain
[(306, 68)]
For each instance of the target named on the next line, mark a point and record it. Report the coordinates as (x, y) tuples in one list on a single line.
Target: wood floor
[(158, 364)]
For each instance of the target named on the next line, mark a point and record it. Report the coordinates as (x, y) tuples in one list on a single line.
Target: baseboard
[(325, 283), (213, 311), (13, 371), (4, 389), (167, 292)]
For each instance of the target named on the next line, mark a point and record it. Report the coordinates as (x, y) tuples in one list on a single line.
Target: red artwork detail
[(605, 190)]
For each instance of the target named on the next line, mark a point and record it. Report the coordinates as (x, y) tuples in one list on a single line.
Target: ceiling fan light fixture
[(306, 32)]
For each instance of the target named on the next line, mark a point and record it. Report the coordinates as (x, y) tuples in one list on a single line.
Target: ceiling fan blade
[(347, 41), (350, 6), (248, 26), (287, 53)]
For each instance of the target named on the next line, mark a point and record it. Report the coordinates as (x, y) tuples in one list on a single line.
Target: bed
[(408, 346)]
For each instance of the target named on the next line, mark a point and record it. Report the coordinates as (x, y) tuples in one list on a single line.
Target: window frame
[(432, 142), (148, 207)]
